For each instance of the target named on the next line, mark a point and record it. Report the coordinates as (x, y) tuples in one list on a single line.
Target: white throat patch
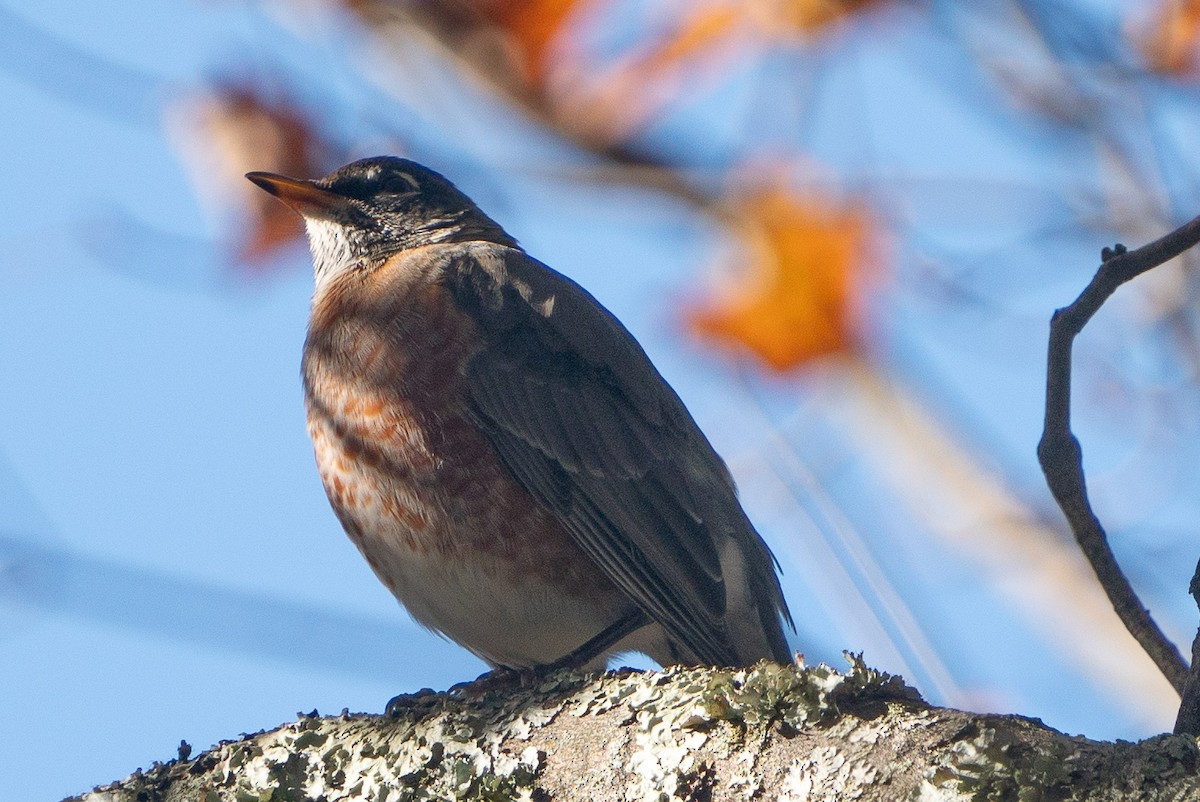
[(331, 250)]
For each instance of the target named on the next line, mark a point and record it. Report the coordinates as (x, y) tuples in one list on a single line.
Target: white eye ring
[(412, 182)]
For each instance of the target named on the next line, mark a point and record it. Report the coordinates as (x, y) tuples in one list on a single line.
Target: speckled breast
[(419, 488)]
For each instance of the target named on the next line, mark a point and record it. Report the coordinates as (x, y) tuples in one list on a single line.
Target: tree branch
[(1060, 454), (769, 732), (1188, 720)]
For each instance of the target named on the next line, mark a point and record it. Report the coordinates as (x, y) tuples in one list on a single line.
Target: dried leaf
[(804, 259), (610, 102), (1170, 39), (511, 39), (759, 20), (237, 129), (533, 25), (699, 32), (812, 15)]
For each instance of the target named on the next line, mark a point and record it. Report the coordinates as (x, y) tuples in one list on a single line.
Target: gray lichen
[(1010, 758), (767, 732)]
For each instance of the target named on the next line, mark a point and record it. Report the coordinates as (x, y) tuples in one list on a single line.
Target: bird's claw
[(397, 705)]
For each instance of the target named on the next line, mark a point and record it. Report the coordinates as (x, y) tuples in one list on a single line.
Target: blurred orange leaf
[(697, 33), (759, 20), (607, 103), (533, 25), (812, 15), (236, 129), (804, 261), (528, 28), (764, 19), (1171, 41), (279, 137)]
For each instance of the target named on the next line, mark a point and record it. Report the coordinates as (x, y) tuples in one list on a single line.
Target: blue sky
[(169, 567)]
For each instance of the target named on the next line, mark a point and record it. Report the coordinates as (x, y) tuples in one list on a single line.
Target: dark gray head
[(360, 214)]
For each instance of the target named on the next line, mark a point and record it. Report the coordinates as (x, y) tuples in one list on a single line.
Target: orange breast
[(405, 467)]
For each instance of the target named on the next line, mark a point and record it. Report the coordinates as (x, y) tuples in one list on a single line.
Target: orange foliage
[(236, 129), (1171, 42), (695, 34), (531, 25), (804, 263), (534, 24), (812, 15), (707, 25), (615, 99), (293, 154)]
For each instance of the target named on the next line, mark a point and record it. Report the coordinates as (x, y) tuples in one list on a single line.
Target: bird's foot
[(502, 677), (398, 705)]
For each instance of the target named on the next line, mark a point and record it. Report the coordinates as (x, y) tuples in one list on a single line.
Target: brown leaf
[(804, 261), (236, 129), (608, 103), (697, 33), (524, 31), (1170, 38), (760, 20), (812, 15), (533, 26)]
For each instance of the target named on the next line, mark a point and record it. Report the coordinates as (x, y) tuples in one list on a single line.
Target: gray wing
[(581, 417)]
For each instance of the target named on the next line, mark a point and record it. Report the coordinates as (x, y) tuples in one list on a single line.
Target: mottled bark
[(770, 732)]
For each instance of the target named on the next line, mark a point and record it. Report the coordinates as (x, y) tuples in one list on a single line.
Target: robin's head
[(360, 214)]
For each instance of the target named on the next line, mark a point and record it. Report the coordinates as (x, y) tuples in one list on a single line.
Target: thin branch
[(1062, 459), (1188, 720)]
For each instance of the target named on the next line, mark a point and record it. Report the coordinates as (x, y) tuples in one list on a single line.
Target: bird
[(501, 449)]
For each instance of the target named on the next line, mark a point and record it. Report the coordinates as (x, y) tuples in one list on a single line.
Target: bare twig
[(1188, 720), (1061, 456)]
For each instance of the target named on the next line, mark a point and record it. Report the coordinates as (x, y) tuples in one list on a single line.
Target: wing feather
[(586, 424)]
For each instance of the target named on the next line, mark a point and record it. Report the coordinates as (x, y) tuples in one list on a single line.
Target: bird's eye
[(399, 181)]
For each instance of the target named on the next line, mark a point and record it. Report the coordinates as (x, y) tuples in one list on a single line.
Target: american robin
[(500, 448)]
